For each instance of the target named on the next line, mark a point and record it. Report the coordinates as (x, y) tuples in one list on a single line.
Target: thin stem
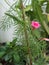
[(26, 36)]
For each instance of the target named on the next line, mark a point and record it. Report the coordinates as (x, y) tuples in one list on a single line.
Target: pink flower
[(35, 24)]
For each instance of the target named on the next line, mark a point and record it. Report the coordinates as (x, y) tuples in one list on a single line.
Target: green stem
[(25, 31)]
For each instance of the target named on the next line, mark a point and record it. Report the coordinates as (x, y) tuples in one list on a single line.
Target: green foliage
[(27, 45), (47, 9)]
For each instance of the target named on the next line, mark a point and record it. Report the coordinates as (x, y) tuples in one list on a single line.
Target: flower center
[(35, 24)]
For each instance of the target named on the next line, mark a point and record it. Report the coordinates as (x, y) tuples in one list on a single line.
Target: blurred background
[(4, 35)]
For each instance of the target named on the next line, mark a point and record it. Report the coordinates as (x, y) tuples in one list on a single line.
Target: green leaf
[(16, 57), (47, 8), (37, 33), (2, 53), (15, 18), (46, 27), (28, 8)]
